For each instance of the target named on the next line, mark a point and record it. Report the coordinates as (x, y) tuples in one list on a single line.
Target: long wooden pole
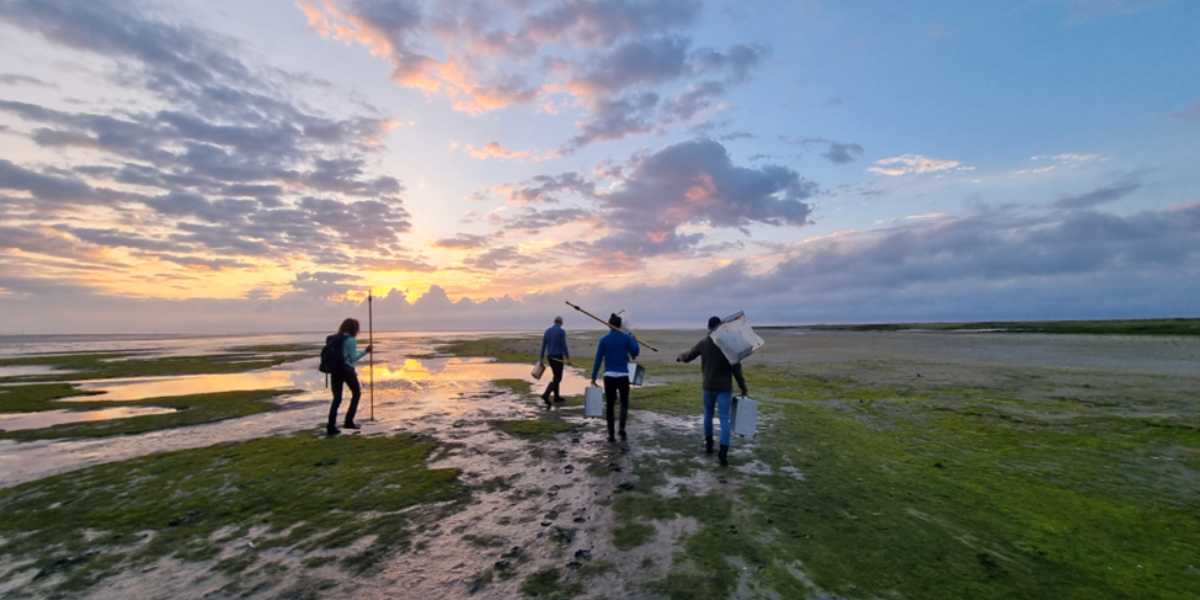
[(610, 325), (371, 342)]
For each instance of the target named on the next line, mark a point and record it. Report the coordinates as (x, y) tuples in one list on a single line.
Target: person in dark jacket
[(554, 348), (347, 375), (717, 387), (614, 350)]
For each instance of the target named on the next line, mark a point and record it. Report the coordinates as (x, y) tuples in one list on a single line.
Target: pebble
[(552, 514), (625, 487), (574, 565), (515, 552), (583, 554), (503, 564), (546, 523)]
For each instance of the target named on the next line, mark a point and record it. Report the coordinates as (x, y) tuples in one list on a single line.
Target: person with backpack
[(717, 389), (337, 360), (614, 350), (554, 348)]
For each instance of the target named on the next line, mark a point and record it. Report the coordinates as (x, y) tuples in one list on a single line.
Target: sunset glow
[(226, 166)]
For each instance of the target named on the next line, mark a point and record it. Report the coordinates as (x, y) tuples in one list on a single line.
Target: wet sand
[(551, 509)]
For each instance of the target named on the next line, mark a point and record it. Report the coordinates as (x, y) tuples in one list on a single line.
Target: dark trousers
[(612, 387), (556, 367), (336, 379)]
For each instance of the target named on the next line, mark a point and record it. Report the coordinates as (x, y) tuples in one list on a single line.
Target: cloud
[(495, 150), (547, 189), (991, 265), (1190, 113), (494, 259), (16, 79), (615, 58), (637, 62), (738, 60), (463, 240), (694, 99), (835, 151), (914, 163), (614, 119), (642, 213), (230, 171), (1101, 195), (842, 153), (533, 221)]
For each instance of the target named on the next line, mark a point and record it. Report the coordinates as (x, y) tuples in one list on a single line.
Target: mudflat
[(907, 464)]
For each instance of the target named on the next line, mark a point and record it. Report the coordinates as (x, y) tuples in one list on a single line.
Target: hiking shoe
[(623, 436), (560, 399), (708, 444), (724, 455), (611, 439), (352, 426), (332, 431)]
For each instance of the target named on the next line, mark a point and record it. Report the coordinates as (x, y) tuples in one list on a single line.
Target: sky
[(231, 166)]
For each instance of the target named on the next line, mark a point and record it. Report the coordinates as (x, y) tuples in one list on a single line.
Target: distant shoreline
[(1101, 327)]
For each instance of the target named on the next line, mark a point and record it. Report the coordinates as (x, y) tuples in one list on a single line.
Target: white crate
[(743, 416), (735, 338), (593, 401)]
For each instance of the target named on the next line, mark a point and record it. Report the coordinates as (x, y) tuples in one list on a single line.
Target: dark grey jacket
[(715, 366)]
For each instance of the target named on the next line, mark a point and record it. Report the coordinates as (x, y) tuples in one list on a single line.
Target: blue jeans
[(720, 401)]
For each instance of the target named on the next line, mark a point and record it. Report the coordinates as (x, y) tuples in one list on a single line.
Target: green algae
[(517, 386), (305, 492), (632, 535), (510, 350), (113, 365), (533, 430), (932, 491), (39, 396), (549, 583), (193, 409)]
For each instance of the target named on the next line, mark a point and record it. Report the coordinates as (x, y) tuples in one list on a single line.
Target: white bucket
[(538, 370), (743, 416), (639, 375), (593, 401), (735, 338)]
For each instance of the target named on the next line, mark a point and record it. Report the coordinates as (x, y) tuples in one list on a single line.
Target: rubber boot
[(724, 455), (708, 444)]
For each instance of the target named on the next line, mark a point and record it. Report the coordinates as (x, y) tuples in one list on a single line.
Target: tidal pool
[(416, 374), (49, 418)]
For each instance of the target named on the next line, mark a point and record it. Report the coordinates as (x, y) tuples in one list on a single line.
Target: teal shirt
[(350, 352)]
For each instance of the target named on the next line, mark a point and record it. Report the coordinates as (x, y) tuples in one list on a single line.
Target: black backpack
[(332, 357)]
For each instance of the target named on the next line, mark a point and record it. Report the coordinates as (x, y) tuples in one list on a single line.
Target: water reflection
[(28, 370), (47, 418), (422, 374)]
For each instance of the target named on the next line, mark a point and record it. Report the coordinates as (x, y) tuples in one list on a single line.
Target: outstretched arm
[(690, 355)]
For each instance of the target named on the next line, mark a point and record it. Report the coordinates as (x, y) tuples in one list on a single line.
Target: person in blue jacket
[(614, 351), (554, 348), (347, 375)]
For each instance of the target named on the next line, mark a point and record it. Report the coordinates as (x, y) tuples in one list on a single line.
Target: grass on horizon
[(1101, 327)]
